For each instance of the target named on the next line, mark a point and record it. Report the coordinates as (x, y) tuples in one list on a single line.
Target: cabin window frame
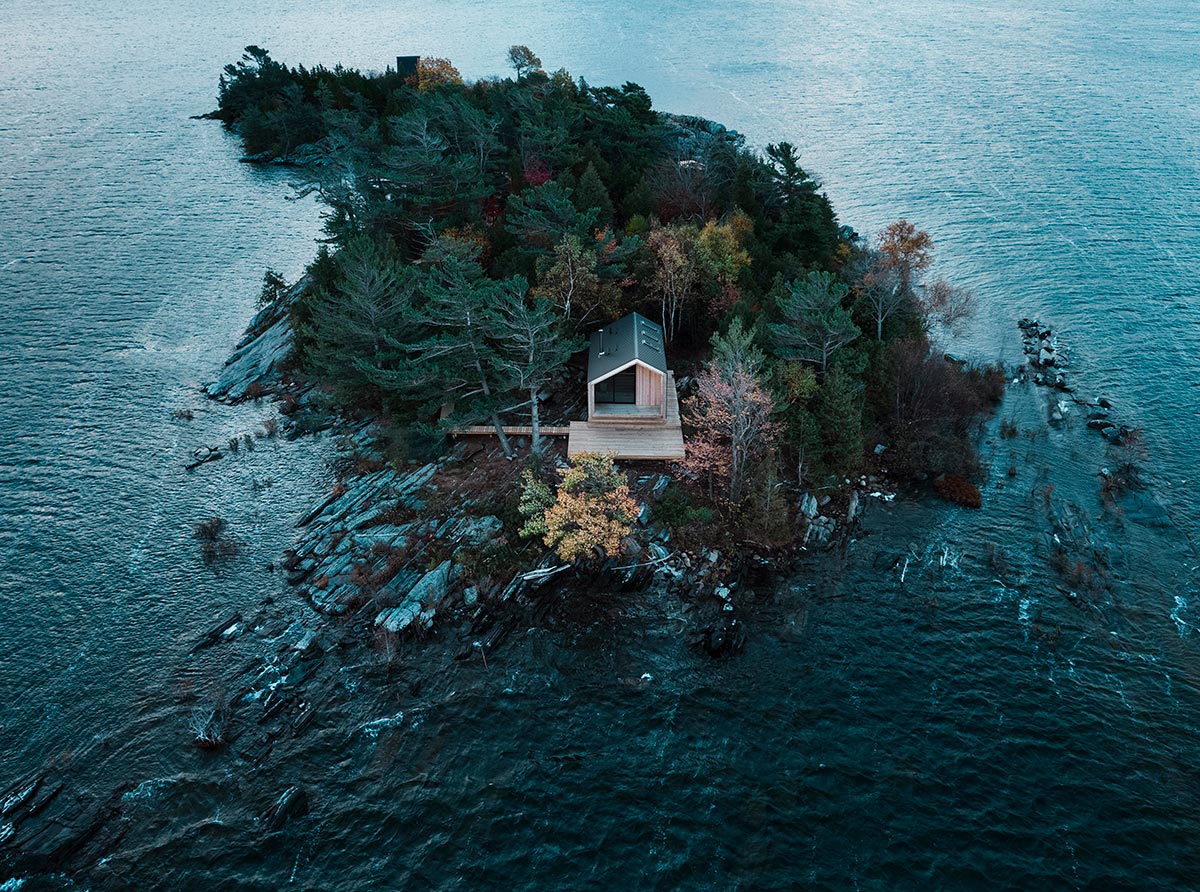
[(606, 392)]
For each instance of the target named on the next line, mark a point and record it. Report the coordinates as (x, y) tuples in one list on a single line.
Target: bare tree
[(571, 280), (676, 272), (881, 289), (208, 724), (947, 303)]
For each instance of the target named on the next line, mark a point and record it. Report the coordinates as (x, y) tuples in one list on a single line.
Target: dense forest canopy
[(475, 231)]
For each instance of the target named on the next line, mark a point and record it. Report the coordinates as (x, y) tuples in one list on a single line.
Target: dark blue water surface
[(950, 730)]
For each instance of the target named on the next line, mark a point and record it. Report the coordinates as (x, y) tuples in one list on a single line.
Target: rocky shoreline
[(401, 560), (1046, 365), (375, 546)]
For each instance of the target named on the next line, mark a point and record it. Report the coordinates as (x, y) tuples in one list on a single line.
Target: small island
[(561, 331)]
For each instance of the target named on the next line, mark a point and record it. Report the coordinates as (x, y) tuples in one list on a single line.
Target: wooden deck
[(632, 437), (659, 443)]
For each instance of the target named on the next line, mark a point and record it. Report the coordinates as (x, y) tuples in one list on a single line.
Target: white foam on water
[(1025, 614), (1184, 627), (373, 729), (147, 789)]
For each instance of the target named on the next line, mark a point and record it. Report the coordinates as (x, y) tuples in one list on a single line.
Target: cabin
[(633, 408)]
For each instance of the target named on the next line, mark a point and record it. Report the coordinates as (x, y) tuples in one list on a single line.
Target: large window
[(620, 388)]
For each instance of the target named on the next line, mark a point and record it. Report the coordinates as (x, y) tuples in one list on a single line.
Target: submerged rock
[(724, 638), (292, 803)]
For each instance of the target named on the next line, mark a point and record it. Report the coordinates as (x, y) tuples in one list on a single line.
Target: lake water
[(947, 731)]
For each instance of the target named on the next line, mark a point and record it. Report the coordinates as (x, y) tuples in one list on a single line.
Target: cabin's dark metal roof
[(619, 343)]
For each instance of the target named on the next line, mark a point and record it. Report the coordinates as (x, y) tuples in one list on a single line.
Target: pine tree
[(591, 194), (456, 363), (529, 347), (839, 417), (360, 322), (817, 324)]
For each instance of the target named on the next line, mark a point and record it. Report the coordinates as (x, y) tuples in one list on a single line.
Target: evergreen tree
[(816, 323), (360, 323), (542, 216), (591, 194), (839, 418), (530, 349)]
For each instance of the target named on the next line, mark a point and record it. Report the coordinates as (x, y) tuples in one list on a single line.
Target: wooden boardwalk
[(511, 430), (628, 436)]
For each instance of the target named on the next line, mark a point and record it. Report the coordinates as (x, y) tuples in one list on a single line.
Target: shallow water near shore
[(961, 728)]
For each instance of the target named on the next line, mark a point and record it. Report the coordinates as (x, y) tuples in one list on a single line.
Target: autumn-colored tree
[(946, 303), (719, 248), (522, 60), (591, 513), (676, 272), (731, 413), (434, 72), (906, 250)]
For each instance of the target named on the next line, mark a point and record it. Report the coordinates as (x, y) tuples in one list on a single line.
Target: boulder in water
[(292, 803), (723, 638)]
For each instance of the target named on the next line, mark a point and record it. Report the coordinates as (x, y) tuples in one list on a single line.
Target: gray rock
[(421, 601), (308, 644), (820, 531), (261, 352), (292, 803), (808, 506), (482, 529)]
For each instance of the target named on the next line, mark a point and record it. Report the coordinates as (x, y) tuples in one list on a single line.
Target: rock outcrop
[(257, 363)]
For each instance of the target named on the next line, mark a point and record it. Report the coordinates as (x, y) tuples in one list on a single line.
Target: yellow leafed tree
[(591, 511), (433, 72)]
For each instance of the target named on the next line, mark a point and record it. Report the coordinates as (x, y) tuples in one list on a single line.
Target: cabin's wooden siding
[(649, 391)]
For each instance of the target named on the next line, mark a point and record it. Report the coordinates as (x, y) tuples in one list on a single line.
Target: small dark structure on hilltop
[(406, 66)]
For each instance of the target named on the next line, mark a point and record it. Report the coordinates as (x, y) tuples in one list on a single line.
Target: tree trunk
[(487, 392), (504, 444), (534, 421)]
